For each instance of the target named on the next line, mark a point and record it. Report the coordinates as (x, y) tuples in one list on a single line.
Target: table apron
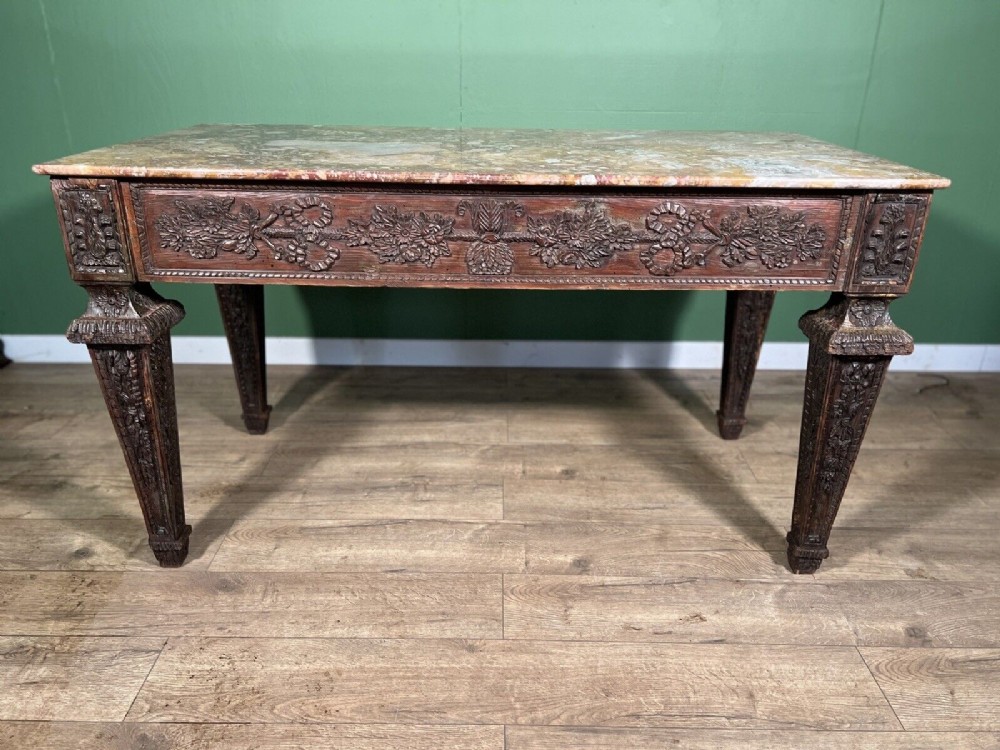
[(435, 238)]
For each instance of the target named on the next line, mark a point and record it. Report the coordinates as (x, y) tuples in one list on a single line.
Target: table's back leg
[(127, 330), (851, 342), (746, 323), (242, 308)]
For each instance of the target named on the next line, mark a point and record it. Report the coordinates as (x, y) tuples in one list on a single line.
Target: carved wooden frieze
[(890, 242), (93, 237), (470, 240)]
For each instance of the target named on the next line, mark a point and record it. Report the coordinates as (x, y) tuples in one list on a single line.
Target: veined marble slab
[(495, 157)]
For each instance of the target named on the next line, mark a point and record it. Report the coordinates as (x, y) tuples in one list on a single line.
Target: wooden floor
[(436, 559)]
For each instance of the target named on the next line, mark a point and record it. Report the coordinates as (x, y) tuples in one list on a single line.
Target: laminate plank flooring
[(492, 559)]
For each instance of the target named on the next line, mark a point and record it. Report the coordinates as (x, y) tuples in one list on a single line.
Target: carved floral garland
[(302, 233)]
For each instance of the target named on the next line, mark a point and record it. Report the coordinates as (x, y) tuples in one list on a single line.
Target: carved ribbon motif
[(773, 236), (302, 233)]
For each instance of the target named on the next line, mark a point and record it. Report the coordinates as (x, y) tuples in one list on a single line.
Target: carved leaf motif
[(888, 247), (204, 227), (489, 259), (398, 237), (849, 417), (89, 219), (775, 237), (579, 238)]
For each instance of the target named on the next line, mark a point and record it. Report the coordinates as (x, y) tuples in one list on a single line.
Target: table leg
[(851, 342), (746, 322), (242, 308), (127, 330)]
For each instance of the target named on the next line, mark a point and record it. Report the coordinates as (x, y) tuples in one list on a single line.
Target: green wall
[(911, 80)]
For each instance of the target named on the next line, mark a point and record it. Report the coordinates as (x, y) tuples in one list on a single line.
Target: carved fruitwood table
[(244, 206)]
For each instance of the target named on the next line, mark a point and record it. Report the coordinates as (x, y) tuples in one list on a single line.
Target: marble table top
[(495, 157)]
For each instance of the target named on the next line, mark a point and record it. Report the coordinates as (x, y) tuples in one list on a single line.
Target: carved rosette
[(400, 237), (91, 225)]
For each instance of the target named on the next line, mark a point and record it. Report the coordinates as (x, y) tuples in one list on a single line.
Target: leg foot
[(242, 308), (170, 553), (746, 323)]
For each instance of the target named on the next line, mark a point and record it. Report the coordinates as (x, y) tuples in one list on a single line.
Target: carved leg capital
[(851, 342), (746, 323), (127, 330)]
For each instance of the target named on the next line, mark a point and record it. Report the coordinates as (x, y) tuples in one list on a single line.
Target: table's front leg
[(127, 330), (851, 342)]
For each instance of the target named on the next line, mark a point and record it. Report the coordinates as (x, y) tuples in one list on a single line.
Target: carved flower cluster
[(579, 238), (205, 226), (766, 233), (397, 237)]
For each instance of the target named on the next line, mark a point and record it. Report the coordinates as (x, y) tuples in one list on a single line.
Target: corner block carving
[(89, 219), (891, 239)]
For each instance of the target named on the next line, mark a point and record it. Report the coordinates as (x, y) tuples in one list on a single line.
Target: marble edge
[(928, 182)]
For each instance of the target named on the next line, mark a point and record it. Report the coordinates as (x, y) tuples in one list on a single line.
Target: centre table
[(243, 206)]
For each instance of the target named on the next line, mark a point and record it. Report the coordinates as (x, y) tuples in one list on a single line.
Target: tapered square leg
[(747, 313), (851, 342), (127, 330), (242, 308)]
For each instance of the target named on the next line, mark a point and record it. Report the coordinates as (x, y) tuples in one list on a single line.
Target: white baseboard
[(448, 353)]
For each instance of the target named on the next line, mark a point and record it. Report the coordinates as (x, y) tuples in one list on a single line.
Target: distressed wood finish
[(239, 206), (242, 309), (746, 324)]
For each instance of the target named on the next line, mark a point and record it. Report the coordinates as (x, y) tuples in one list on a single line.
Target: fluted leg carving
[(746, 323), (127, 330), (242, 308), (851, 342)]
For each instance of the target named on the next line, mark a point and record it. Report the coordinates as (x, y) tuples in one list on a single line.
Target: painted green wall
[(911, 80)]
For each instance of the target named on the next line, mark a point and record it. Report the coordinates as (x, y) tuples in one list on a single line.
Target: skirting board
[(448, 353)]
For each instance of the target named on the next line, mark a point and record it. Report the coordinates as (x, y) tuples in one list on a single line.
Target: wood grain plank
[(513, 682), (664, 550), (215, 496), (671, 610), (373, 546), (868, 504), (920, 613), (899, 468), (192, 603), (135, 736), (82, 679), (100, 544), (939, 689), (637, 463), (903, 553), (602, 738), (873, 613)]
